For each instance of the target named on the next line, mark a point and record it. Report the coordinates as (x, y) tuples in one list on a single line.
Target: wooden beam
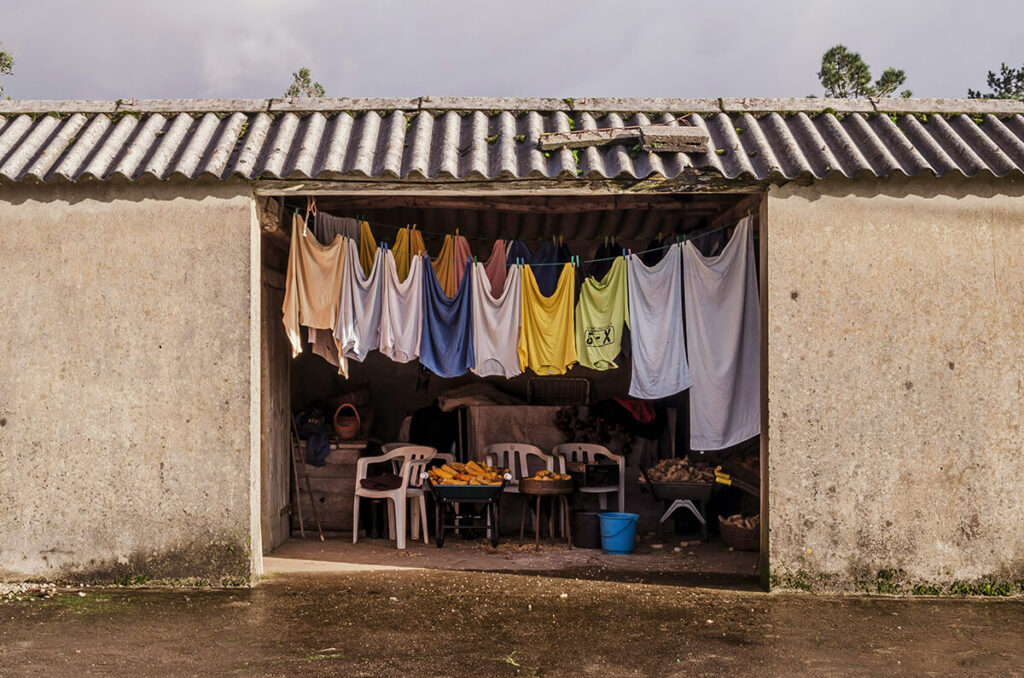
[(549, 205), (690, 181), (587, 138)]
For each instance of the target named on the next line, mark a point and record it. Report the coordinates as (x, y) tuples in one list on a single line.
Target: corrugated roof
[(486, 139)]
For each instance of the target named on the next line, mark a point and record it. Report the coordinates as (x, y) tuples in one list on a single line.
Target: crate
[(594, 474), (561, 391)]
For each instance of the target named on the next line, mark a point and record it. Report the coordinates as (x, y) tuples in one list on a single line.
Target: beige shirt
[(313, 285)]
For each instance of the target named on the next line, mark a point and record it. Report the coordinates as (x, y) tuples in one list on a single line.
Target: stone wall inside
[(896, 384), (126, 385)]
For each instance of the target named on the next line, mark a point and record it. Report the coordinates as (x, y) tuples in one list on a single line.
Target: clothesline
[(562, 263)]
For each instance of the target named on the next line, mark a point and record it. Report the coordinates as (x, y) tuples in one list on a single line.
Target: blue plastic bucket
[(618, 532)]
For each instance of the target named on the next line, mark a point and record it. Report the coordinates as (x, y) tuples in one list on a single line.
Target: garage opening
[(697, 510)]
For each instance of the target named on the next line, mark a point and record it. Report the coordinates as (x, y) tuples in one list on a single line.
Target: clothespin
[(623, 251), (560, 241), (456, 230)]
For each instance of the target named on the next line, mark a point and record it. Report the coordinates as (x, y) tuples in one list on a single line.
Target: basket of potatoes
[(741, 531), (546, 482)]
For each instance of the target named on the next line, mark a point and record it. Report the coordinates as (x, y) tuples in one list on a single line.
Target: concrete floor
[(426, 622), (654, 560)]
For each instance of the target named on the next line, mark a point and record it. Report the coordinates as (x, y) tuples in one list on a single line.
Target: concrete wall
[(896, 384), (126, 383)]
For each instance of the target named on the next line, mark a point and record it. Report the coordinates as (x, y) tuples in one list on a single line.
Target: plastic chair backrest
[(587, 453), (516, 458), (411, 459)]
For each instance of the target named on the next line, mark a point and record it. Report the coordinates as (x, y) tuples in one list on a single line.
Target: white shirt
[(656, 327), (359, 312), (496, 324), (401, 313)]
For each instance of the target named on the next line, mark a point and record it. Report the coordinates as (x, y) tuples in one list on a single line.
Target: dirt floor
[(429, 622)]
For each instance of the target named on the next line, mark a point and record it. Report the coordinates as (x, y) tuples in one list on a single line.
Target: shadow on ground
[(435, 622)]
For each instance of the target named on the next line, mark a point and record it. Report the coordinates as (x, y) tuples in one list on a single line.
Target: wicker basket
[(740, 538), (534, 486), (346, 421)]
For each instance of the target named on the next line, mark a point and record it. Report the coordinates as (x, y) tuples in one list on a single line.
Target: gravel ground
[(440, 623)]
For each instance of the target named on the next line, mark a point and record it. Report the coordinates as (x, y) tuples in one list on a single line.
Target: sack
[(346, 421)]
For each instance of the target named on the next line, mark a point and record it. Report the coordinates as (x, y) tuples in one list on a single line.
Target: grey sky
[(107, 49)]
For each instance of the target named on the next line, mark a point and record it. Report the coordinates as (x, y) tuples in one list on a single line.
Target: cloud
[(249, 48)]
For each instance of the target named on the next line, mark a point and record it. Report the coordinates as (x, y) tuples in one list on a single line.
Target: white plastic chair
[(516, 458), (407, 461), (590, 453)]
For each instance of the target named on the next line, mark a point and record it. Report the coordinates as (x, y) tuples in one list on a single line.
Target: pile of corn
[(471, 473)]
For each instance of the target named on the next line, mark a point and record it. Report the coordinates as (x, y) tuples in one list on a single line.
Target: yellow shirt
[(367, 248), (408, 244), (547, 344)]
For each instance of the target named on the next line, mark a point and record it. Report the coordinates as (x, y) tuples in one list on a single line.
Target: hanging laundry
[(496, 268), (325, 346), (546, 341), (604, 257), (327, 227), (401, 311), (723, 332), (358, 330), (450, 264), (446, 348), (408, 244), (544, 263), (601, 313), (367, 248), (656, 327), (496, 322), (654, 252), (312, 284)]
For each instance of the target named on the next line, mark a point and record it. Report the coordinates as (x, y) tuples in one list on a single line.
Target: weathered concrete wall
[(126, 383), (896, 384)]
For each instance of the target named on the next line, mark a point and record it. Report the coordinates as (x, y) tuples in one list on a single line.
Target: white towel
[(723, 333), (656, 327)]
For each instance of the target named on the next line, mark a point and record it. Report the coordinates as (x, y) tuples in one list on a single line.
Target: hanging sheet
[(547, 344), (359, 310), (723, 331), (601, 313), (496, 322), (446, 348), (401, 313), (656, 327)]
